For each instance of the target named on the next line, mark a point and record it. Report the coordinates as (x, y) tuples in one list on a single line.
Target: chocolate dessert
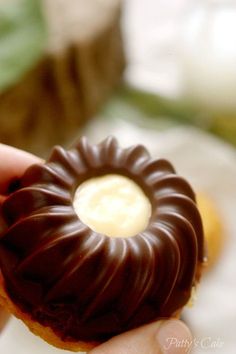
[(100, 240)]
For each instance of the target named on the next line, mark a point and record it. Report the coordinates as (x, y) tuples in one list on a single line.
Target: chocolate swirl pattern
[(86, 285)]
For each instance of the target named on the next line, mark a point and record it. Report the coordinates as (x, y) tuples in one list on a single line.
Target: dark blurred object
[(83, 62)]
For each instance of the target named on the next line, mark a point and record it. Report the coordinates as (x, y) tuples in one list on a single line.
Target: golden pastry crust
[(45, 333), (213, 228), (4, 317)]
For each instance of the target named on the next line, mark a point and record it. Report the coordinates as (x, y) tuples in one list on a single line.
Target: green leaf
[(22, 39)]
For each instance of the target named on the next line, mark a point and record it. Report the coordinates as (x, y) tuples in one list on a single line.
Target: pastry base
[(4, 317)]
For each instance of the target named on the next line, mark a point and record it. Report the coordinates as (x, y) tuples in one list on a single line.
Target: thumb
[(163, 337)]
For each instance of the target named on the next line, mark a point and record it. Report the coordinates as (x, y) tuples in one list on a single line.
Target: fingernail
[(174, 337)]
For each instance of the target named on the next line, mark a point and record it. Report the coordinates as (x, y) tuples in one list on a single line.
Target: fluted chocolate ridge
[(86, 285)]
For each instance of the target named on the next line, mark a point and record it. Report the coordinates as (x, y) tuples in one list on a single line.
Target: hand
[(164, 337), (13, 163)]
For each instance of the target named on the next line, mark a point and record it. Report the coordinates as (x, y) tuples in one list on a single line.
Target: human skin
[(155, 338)]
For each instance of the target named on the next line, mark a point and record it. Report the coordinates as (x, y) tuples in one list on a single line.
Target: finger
[(13, 163), (170, 337)]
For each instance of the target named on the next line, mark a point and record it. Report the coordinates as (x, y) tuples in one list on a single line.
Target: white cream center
[(113, 205)]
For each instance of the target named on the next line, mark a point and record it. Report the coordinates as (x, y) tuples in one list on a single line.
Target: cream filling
[(113, 205)]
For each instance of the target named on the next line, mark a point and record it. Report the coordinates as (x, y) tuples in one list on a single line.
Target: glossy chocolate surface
[(85, 285)]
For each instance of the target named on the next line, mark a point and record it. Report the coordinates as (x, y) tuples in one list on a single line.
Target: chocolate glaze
[(86, 285)]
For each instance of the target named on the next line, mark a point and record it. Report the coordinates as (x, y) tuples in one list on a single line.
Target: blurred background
[(168, 63), (157, 72)]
